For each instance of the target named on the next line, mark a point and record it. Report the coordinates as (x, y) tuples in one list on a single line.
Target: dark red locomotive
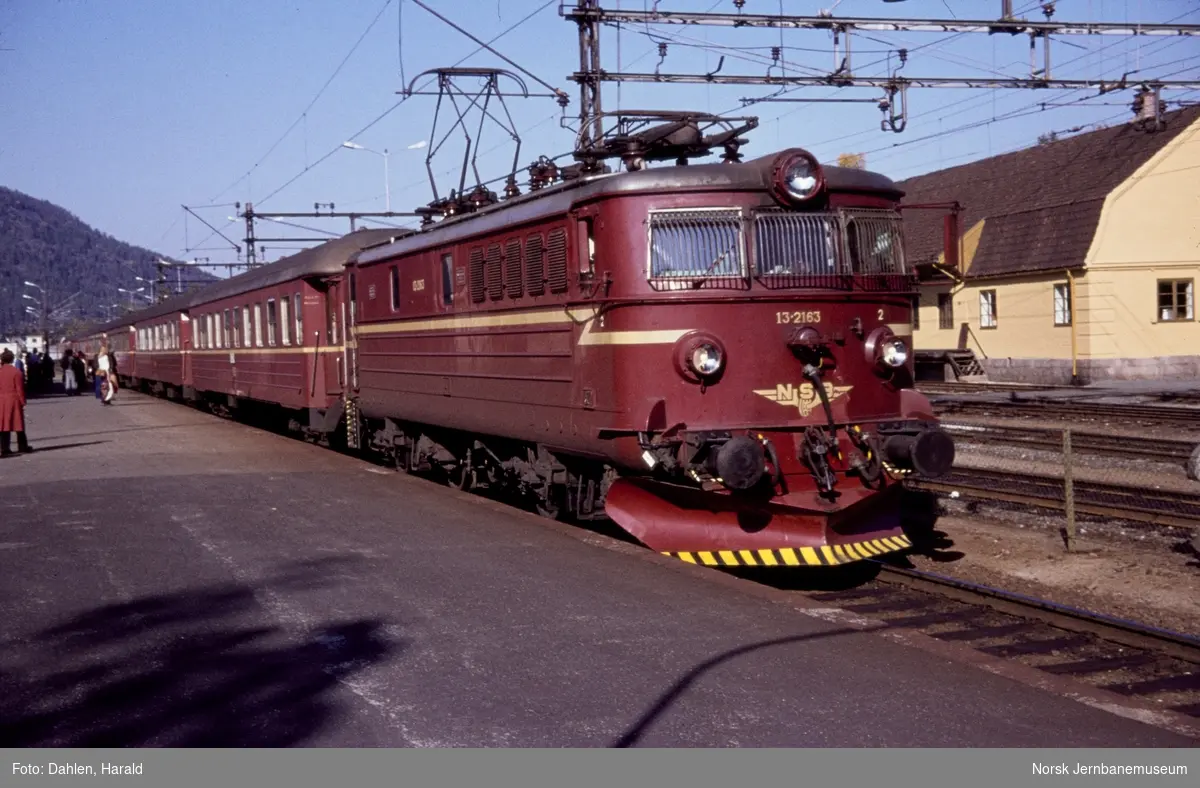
[(716, 356)]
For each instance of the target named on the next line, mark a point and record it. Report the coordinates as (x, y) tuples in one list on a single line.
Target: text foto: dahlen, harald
[(81, 769)]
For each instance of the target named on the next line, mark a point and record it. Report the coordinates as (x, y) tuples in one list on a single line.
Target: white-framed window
[(284, 327), (1062, 304), (247, 330), (258, 324), (987, 308)]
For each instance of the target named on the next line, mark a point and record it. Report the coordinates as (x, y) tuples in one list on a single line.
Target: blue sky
[(124, 111)]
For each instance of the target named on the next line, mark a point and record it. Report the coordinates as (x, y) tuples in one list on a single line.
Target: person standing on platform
[(12, 406), (79, 368), (47, 374), (69, 382), (105, 390), (33, 370)]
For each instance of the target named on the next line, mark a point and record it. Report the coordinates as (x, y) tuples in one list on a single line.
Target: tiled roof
[(1041, 204)]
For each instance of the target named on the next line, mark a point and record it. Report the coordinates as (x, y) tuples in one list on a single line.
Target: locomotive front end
[(779, 425)]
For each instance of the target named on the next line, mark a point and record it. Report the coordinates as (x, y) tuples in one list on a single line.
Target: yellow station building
[(1079, 256)]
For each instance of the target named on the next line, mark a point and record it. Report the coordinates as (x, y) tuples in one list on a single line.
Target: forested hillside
[(43, 243)]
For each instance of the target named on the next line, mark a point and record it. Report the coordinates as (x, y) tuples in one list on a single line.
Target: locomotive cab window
[(696, 244), (586, 233), (793, 243), (394, 277), (447, 279), (874, 245)]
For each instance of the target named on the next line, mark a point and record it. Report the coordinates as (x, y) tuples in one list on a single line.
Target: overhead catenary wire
[(401, 101), (1015, 114), (487, 45), (971, 104), (1012, 115), (301, 117)]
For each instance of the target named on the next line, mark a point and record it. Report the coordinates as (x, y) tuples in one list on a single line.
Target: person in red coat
[(12, 406)]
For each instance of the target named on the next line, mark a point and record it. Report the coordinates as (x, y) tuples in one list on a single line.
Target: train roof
[(372, 245), (322, 260), (752, 175)]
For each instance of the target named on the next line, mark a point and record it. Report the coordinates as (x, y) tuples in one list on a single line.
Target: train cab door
[(184, 336), (334, 360), (350, 344)]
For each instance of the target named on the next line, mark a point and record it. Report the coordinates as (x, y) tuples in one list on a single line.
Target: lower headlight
[(893, 353), (706, 359)]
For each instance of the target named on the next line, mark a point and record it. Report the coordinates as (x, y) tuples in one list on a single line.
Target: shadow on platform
[(41, 449), (195, 668), (667, 699)]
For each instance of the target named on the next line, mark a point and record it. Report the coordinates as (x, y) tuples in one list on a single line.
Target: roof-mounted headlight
[(798, 176)]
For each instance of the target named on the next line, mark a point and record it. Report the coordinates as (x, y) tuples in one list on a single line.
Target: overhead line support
[(591, 12)]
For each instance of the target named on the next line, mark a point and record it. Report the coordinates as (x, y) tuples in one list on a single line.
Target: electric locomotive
[(718, 357)]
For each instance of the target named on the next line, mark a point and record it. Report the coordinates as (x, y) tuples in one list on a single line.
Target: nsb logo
[(803, 397)]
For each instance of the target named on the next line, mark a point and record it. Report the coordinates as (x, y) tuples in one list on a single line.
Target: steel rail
[(1165, 449), (1134, 504), (1073, 619), (1045, 408)]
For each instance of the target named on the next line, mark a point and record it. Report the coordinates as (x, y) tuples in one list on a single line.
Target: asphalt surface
[(169, 578)]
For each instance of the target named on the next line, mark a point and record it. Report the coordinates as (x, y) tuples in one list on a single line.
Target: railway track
[(1123, 502), (1126, 657), (1110, 628), (955, 387), (1040, 408), (1167, 450)]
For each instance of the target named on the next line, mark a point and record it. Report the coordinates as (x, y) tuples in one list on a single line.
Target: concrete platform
[(169, 578)]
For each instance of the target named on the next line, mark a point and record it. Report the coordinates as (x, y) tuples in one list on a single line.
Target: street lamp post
[(45, 308), (387, 188), (131, 293)]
